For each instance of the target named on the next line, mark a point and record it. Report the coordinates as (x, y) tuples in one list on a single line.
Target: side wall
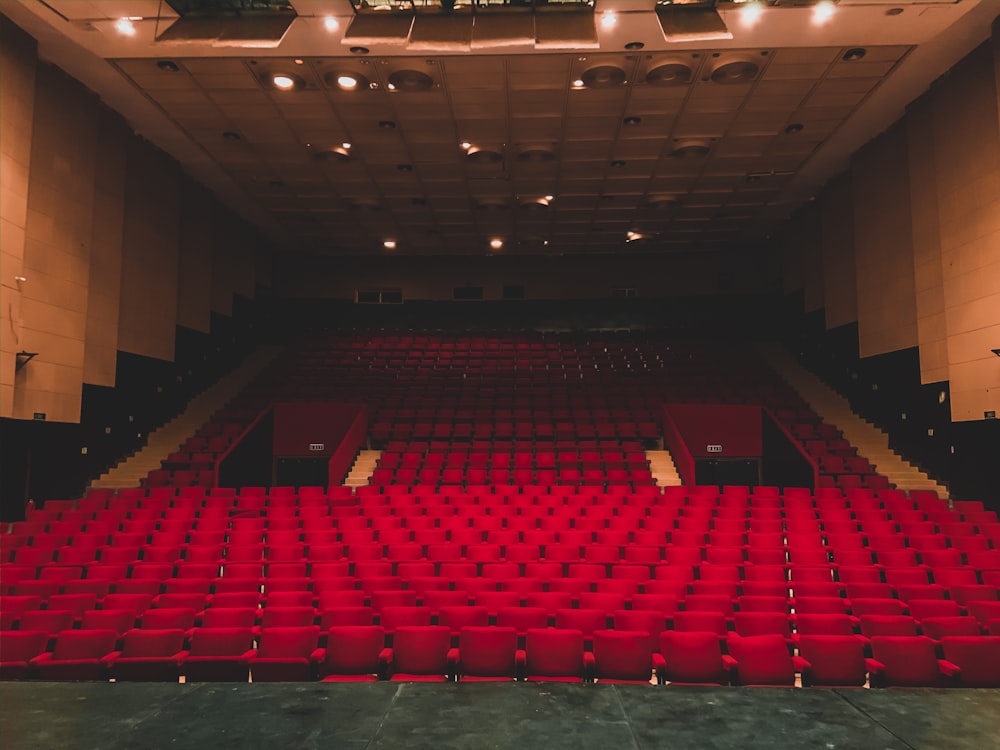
[(910, 237), (107, 245)]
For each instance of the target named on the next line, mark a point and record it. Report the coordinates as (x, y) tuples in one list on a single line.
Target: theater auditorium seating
[(514, 532)]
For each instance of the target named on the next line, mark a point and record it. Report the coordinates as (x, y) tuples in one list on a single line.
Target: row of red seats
[(427, 653)]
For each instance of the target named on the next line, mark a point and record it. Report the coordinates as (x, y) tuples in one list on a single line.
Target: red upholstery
[(762, 660), (77, 655), (556, 655), (832, 660), (218, 655), (285, 654), (148, 656), (17, 649), (486, 653), (694, 658), (978, 659), (420, 653), (907, 661), (624, 656), (353, 653)]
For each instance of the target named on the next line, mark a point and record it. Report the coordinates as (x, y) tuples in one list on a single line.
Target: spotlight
[(578, 83), (283, 82), (347, 82), (823, 11), (609, 19), (125, 26), (751, 12), (389, 244), (330, 23), (496, 243)]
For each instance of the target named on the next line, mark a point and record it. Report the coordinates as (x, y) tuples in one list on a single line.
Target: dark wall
[(886, 390), (735, 427)]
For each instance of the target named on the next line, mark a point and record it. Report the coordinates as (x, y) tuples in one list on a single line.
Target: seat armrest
[(385, 663), (111, 658), (520, 663), (43, 658), (454, 657), (317, 656), (876, 672), (949, 669), (729, 663), (251, 654), (589, 666), (800, 664), (180, 656)]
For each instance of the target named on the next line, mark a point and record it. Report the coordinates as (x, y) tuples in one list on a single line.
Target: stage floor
[(489, 715)]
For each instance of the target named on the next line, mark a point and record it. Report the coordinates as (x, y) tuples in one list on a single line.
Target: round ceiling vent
[(669, 74), (604, 77), (491, 205), (477, 155), (662, 201), (691, 149), (410, 80), (733, 72), (536, 153)]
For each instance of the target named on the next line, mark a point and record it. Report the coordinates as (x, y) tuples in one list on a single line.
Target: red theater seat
[(148, 656), (285, 654), (556, 655), (77, 655), (420, 653), (218, 655), (486, 654)]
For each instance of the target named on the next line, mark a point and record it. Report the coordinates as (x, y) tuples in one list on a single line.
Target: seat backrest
[(229, 617), (354, 649), (84, 644), (487, 651), (622, 655), (288, 642), (835, 659), (692, 656), (585, 620), (421, 649), (139, 643), (227, 641), (552, 652), (762, 660), (824, 624), (978, 656), (909, 660), (22, 645)]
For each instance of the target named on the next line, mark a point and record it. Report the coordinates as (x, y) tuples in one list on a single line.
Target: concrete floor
[(490, 715)]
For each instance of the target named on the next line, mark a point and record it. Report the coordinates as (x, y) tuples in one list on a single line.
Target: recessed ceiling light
[(823, 11), (496, 243), (578, 83), (632, 120), (168, 66), (854, 54), (125, 26), (230, 135), (345, 144), (795, 127), (387, 124), (283, 81), (330, 23), (618, 163), (298, 61), (634, 45), (359, 50), (404, 167), (894, 11), (347, 81), (465, 145), (609, 19), (550, 197), (389, 244), (391, 86)]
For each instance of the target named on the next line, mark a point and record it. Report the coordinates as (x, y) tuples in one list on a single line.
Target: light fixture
[(389, 244), (283, 82), (496, 243), (550, 198), (823, 11), (751, 12), (578, 83), (609, 19), (299, 61), (391, 86), (345, 144), (125, 26), (330, 23), (347, 82), (167, 66), (465, 145)]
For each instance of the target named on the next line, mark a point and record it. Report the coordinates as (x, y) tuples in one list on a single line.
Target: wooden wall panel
[(57, 247), (197, 248), (150, 251), (18, 61), (101, 350), (883, 243), (966, 125), (840, 294)]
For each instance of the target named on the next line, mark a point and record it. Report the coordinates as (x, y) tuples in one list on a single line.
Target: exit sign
[(317, 446), (713, 448)]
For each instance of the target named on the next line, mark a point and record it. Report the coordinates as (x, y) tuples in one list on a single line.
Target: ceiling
[(677, 146)]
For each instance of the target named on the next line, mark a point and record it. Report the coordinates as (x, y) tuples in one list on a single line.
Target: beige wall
[(92, 216), (18, 54), (883, 246), (967, 164), (101, 347), (840, 296), (150, 253), (57, 247)]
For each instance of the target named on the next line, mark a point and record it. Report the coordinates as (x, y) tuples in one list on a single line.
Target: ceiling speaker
[(734, 72), (411, 80), (604, 77), (691, 149), (669, 74)]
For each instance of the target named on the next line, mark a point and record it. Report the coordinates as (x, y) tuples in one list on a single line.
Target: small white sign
[(317, 446), (713, 448)]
